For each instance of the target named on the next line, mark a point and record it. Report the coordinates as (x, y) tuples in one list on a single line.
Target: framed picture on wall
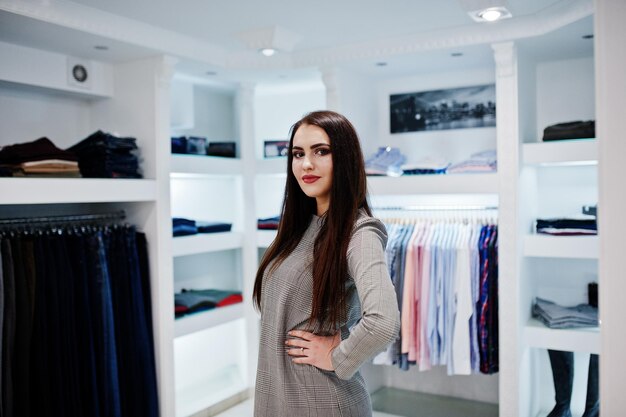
[(275, 148), (453, 108)]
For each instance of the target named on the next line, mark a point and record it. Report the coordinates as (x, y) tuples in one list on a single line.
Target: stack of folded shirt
[(270, 223), (386, 161), (558, 317), (103, 155), (479, 162), (572, 226), (193, 301), (186, 227), (40, 158), (426, 166)]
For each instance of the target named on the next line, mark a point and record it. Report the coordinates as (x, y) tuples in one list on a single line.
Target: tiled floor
[(414, 404), (245, 410)]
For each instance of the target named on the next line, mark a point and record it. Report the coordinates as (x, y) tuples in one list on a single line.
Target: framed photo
[(454, 108), (275, 148)]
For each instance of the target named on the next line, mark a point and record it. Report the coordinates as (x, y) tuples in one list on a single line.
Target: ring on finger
[(302, 350)]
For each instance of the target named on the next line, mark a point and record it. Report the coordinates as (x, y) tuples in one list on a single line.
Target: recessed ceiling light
[(381, 64), (101, 47), (268, 51), (456, 54), (211, 73), (490, 14), (588, 36)]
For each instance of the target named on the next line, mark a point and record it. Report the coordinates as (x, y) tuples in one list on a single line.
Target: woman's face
[(312, 164)]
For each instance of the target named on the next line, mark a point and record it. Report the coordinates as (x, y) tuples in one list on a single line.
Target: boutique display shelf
[(537, 335), (546, 246), (206, 242), (272, 166), (434, 184), (75, 190), (204, 165), (561, 152), (265, 238), (207, 319), (216, 388)]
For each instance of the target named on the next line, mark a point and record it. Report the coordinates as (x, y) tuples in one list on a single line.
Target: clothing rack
[(436, 208), (115, 216)]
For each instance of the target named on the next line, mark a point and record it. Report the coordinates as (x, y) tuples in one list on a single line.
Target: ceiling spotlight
[(268, 51), (587, 36), (211, 73), (456, 54), (101, 47), (381, 64), (490, 14)]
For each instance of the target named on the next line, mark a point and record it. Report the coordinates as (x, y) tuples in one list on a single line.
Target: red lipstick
[(310, 179)]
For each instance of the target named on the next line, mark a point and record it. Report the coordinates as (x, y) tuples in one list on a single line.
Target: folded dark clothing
[(183, 227), (268, 226), (213, 227), (567, 232), (192, 300), (552, 226), (105, 140), (184, 230), (423, 171), (38, 150), (181, 220), (274, 219), (179, 144), (578, 129), (219, 298)]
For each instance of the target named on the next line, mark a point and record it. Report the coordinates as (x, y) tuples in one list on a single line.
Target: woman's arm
[(380, 318)]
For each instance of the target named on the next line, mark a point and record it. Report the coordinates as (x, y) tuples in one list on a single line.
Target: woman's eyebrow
[(317, 145)]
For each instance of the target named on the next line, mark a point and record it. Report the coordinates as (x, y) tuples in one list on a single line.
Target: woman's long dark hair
[(348, 194)]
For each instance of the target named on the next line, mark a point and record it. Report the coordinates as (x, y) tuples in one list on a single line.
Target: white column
[(509, 254), (329, 78), (609, 41), (245, 104)]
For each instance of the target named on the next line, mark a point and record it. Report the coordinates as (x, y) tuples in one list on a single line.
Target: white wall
[(276, 109), (28, 114), (565, 92), (359, 103), (453, 145), (214, 115)]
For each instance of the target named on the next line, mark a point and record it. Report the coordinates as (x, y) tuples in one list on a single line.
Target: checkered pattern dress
[(285, 389)]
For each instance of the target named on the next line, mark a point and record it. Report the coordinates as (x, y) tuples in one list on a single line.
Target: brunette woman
[(326, 300)]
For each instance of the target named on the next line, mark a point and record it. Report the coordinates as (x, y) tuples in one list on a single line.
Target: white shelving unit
[(75, 190), (130, 97), (204, 165), (561, 152), (124, 96), (434, 184), (545, 246), (572, 340), (207, 319), (206, 242), (223, 383)]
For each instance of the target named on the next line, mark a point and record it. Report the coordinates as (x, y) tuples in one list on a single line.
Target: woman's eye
[(298, 154), (322, 151)]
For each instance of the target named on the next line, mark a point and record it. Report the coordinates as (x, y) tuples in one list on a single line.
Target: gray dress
[(285, 389)]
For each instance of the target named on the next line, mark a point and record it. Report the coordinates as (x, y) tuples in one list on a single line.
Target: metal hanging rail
[(114, 216), (436, 208)]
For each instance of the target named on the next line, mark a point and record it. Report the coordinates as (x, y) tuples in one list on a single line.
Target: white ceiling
[(320, 23), (410, 36)]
